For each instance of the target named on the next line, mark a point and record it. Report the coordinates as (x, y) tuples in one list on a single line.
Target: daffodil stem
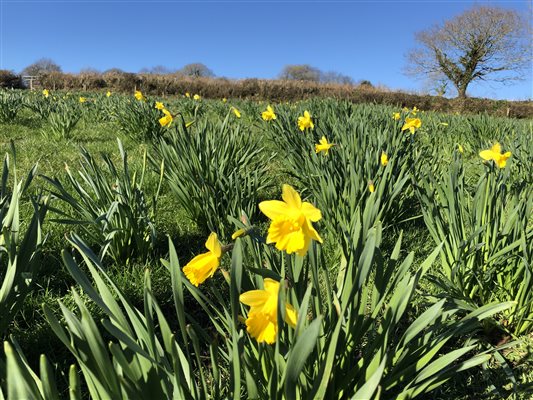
[(227, 247)]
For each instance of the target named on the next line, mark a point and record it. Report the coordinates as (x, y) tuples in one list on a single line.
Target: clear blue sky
[(236, 39)]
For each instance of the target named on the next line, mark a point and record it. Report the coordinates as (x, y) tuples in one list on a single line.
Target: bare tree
[(336, 77), (41, 66), (196, 70), (157, 70), (300, 73), (483, 43)]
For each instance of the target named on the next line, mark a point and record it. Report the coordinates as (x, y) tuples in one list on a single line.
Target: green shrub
[(215, 169), (109, 207), (138, 120), (20, 243), (62, 120), (10, 104), (340, 180), (10, 80), (488, 240), (350, 338)]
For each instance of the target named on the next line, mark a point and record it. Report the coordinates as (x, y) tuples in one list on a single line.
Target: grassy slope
[(31, 329)]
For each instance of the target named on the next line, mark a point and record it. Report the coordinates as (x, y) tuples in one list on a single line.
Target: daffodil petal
[(486, 154), (291, 196), (294, 242), (303, 251), (271, 285), (254, 298), (261, 328), (311, 232), (273, 208), (200, 268), (212, 244), (502, 162), (311, 212), (291, 316)]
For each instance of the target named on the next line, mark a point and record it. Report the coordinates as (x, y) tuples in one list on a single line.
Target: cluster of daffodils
[(204, 265), (495, 154), (411, 124), (291, 230), (323, 146), (236, 112), (167, 118), (269, 114), (384, 159), (139, 96), (305, 121), (262, 321), (196, 97)]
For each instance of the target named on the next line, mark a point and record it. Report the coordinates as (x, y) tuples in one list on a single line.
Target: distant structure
[(29, 79)]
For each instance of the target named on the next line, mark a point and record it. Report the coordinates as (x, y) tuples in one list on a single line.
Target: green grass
[(30, 328)]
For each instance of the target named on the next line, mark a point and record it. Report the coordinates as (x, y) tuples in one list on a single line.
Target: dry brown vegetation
[(276, 91)]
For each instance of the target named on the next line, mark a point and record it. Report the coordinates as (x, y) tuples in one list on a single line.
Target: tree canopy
[(41, 66), (196, 70), (305, 72), (483, 43), (302, 72)]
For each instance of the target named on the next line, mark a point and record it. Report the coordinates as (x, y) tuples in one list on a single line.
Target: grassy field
[(123, 194)]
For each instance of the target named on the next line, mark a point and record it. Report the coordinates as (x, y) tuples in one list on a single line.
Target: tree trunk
[(461, 91)]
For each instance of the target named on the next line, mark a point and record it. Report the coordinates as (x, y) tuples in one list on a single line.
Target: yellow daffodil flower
[(384, 159), (305, 122), (204, 265), (224, 100), (139, 96), (460, 148), (412, 124), (396, 116), (262, 321), (269, 114), (187, 94), (46, 93), (371, 187), (167, 119), (414, 111), (495, 154), (108, 94), (196, 97), (83, 99), (236, 112), (291, 227), (323, 146), (159, 105)]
